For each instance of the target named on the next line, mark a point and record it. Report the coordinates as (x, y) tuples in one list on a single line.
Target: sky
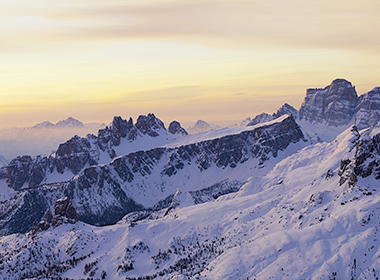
[(220, 61)]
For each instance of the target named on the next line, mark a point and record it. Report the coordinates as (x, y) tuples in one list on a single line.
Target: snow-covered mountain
[(264, 201), (71, 157), (140, 180), (315, 215), (69, 122), (201, 126), (327, 112)]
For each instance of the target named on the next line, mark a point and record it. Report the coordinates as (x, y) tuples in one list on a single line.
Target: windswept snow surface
[(321, 132), (296, 222)]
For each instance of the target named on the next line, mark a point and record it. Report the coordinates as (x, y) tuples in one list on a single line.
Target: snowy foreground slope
[(315, 215)]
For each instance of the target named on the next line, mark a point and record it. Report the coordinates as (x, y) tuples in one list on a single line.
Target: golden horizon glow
[(220, 61)]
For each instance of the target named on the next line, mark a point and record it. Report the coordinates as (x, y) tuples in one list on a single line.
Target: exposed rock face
[(64, 211), (77, 153), (114, 188), (368, 109), (335, 105), (17, 171), (22, 212), (149, 125), (366, 159), (74, 155), (110, 137), (176, 128), (286, 109)]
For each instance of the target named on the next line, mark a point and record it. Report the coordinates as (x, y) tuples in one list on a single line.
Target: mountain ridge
[(129, 183), (300, 221), (295, 197)]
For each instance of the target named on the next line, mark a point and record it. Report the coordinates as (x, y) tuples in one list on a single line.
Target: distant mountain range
[(288, 195), (42, 138), (70, 122)]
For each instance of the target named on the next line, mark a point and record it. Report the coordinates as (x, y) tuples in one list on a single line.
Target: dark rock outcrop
[(64, 212), (366, 160), (149, 125), (176, 128)]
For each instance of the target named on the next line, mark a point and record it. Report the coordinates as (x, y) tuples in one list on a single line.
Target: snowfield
[(299, 221)]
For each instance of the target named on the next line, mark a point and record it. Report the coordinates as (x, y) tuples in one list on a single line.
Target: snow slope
[(300, 221)]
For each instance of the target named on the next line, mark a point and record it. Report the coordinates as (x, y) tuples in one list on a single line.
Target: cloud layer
[(295, 23)]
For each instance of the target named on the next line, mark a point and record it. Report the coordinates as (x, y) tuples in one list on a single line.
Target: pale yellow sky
[(184, 60)]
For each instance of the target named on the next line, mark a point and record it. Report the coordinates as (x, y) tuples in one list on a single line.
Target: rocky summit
[(285, 109), (176, 128), (334, 105)]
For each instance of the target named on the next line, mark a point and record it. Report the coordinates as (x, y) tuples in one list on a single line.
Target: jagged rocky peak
[(261, 118), (286, 109), (73, 146), (334, 105), (111, 136), (176, 128), (368, 109), (121, 126), (69, 122), (149, 125)]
